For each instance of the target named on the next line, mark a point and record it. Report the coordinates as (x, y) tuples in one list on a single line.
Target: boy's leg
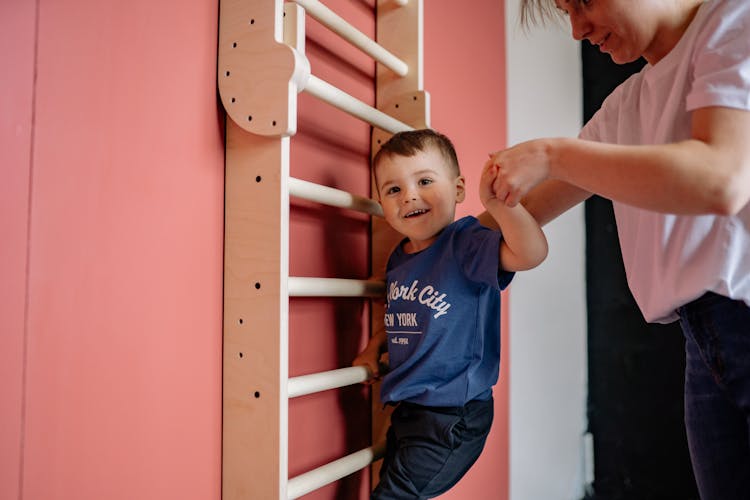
[(434, 448), (717, 395)]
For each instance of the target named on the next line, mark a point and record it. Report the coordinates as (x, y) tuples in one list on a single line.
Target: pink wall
[(465, 76), (111, 213), (17, 36), (121, 387)]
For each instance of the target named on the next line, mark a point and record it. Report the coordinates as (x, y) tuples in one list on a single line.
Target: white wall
[(547, 304)]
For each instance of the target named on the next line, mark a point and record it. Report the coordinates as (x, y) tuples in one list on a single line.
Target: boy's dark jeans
[(430, 448), (717, 395)]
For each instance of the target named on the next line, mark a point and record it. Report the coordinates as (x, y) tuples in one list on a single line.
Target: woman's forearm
[(685, 178), (709, 173)]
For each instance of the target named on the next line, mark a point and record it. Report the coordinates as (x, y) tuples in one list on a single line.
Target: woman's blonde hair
[(535, 12)]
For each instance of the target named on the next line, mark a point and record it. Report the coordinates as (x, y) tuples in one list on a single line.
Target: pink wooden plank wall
[(465, 75), (17, 37), (111, 217), (122, 384)]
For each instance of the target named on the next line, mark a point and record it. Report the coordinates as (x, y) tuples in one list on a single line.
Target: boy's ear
[(460, 189)]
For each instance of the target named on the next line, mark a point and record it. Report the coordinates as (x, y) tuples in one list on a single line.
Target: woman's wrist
[(555, 151)]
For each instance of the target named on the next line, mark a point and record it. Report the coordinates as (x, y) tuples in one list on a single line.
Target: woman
[(671, 148)]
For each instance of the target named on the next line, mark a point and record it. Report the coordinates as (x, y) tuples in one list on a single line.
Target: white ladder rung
[(333, 471), (343, 101), (335, 23), (324, 381), (333, 197), (334, 287)]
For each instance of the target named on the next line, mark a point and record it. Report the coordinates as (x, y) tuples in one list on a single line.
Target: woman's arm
[(545, 202), (709, 173)]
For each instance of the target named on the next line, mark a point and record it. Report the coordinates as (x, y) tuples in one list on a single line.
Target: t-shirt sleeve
[(606, 117), (721, 64), (589, 131), (480, 247)]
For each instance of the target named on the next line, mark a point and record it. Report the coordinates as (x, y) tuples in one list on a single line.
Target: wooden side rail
[(261, 69)]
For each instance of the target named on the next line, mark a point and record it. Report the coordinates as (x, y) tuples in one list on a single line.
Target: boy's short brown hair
[(411, 142)]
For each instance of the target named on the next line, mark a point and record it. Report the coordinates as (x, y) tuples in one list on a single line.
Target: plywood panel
[(124, 312), (255, 316), (17, 59)]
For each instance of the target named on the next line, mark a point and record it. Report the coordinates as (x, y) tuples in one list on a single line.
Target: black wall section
[(636, 369)]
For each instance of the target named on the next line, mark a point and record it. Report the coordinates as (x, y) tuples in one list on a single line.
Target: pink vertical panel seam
[(24, 363)]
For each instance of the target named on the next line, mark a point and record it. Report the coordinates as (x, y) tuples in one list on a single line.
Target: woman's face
[(624, 29)]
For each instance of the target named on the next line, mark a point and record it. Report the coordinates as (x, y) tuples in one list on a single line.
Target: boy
[(442, 320)]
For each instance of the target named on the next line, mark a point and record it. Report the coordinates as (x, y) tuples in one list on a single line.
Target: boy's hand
[(486, 182), (369, 358)]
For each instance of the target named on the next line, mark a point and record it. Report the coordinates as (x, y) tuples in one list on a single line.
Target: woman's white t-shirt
[(673, 259)]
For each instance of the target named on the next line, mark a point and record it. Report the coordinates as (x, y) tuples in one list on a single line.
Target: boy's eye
[(392, 190), (425, 181)]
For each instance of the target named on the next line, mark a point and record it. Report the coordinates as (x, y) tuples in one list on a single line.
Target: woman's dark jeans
[(717, 395), (429, 448)]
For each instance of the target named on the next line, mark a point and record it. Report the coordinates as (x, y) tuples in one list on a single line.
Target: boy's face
[(418, 195)]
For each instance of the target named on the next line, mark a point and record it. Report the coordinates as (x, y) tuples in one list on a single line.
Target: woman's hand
[(519, 169)]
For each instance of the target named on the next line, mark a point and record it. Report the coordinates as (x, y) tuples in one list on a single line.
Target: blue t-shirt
[(442, 318)]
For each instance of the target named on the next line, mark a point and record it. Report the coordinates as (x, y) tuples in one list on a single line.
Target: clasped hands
[(509, 174)]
